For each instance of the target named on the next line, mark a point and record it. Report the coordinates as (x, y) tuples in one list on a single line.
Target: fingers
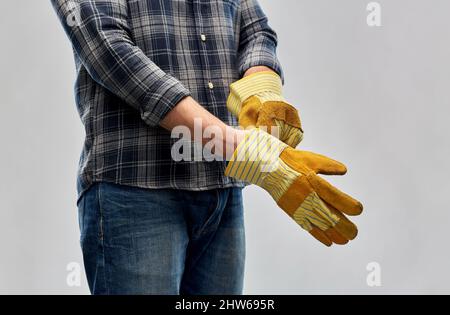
[(329, 237), (344, 227), (248, 117), (339, 233), (336, 237), (321, 164), (335, 197), (327, 224), (305, 161), (323, 220), (284, 117), (320, 235), (316, 217)]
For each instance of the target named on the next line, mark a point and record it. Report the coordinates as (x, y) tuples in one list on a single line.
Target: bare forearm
[(253, 70), (190, 114), (185, 113)]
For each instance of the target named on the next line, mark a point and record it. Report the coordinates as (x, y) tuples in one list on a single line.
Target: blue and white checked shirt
[(136, 59)]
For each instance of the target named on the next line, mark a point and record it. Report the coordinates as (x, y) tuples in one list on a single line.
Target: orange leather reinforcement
[(295, 195), (248, 117), (316, 163), (279, 111), (321, 236), (254, 113), (271, 114), (336, 237), (335, 197)]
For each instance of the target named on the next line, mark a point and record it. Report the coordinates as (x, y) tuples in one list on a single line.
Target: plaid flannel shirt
[(136, 59)]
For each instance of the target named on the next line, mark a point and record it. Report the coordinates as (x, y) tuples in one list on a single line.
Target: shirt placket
[(202, 29)]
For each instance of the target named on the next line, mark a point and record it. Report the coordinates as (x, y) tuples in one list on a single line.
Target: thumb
[(248, 117), (320, 164)]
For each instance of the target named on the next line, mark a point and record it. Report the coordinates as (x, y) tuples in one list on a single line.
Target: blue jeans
[(142, 241)]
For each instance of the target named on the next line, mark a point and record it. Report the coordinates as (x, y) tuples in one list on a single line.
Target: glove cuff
[(255, 158), (266, 82)]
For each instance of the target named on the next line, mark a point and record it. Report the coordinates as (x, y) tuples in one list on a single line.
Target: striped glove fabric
[(256, 100), (291, 178)]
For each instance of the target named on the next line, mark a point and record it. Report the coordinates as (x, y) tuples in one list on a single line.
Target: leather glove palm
[(256, 101), (291, 178)]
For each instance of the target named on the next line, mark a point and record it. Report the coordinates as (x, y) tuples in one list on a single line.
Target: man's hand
[(291, 178), (188, 111), (256, 100)]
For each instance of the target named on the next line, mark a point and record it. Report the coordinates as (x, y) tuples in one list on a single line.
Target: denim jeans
[(142, 241)]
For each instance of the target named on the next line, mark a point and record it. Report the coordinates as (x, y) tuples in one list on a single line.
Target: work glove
[(256, 101), (291, 177)]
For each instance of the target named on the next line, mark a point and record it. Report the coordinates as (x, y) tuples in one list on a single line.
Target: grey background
[(375, 98)]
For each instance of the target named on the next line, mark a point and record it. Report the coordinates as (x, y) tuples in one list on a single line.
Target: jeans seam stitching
[(102, 239)]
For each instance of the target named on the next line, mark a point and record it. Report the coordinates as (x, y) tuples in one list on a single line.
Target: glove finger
[(336, 237), (248, 116), (324, 219), (279, 110), (344, 227), (335, 197), (320, 164), (320, 235)]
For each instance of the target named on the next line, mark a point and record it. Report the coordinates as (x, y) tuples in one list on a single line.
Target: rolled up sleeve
[(258, 41), (100, 35)]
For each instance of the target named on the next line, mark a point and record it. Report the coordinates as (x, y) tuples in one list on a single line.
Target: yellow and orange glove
[(257, 101), (291, 178)]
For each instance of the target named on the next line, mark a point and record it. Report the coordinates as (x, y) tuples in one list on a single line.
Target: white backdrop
[(376, 98)]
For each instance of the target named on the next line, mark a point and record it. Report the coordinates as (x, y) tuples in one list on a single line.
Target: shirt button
[(211, 85), (203, 37)]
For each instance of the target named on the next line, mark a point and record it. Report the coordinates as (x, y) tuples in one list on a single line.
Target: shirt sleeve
[(258, 41), (101, 37)]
